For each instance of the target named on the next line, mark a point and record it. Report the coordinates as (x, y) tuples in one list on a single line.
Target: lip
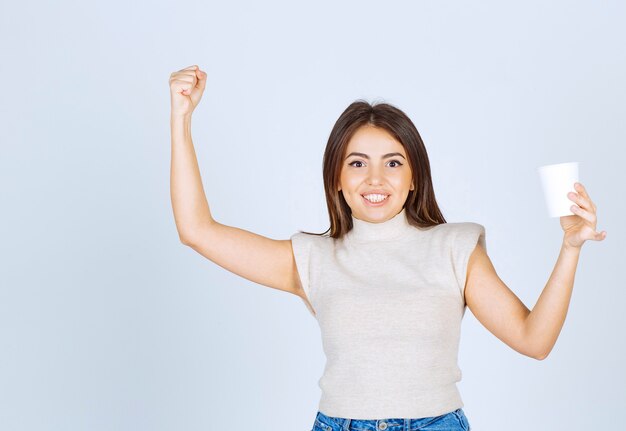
[(376, 192), (376, 204)]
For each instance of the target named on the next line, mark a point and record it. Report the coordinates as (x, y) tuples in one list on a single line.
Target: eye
[(392, 161)]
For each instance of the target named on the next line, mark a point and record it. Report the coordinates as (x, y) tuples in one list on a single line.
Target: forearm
[(544, 323), (189, 203)]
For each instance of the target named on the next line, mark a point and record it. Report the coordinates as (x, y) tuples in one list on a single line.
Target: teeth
[(375, 198)]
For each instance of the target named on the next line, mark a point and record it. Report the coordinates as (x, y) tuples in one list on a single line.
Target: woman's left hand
[(582, 225)]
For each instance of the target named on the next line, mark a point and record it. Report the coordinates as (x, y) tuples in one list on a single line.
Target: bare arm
[(259, 259), (533, 333), (496, 306), (545, 321), (189, 203), (191, 209)]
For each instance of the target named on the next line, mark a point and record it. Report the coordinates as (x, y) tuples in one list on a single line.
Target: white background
[(108, 322)]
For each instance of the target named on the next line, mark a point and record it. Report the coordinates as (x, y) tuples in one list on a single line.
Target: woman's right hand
[(186, 88)]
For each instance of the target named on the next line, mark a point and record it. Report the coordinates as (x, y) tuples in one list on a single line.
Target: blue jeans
[(452, 421)]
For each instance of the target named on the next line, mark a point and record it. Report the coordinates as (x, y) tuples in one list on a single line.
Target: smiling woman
[(389, 272)]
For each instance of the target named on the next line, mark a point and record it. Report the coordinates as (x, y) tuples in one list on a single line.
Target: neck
[(390, 229)]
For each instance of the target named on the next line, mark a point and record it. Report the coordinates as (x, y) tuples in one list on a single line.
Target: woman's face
[(382, 167)]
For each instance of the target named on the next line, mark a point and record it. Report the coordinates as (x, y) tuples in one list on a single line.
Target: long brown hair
[(420, 207)]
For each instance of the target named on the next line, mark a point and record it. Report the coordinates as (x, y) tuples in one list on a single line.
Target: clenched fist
[(186, 88)]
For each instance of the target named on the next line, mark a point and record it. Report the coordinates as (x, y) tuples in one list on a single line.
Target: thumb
[(201, 84)]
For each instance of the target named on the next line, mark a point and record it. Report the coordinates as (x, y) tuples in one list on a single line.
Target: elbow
[(535, 353), (540, 356), (536, 349), (184, 240), (190, 236), (186, 237)]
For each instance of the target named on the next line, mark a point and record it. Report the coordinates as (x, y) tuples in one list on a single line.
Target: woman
[(390, 282)]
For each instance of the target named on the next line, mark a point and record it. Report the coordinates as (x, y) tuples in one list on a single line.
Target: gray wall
[(108, 322)]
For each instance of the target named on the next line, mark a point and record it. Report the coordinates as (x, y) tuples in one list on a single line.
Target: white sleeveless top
[(389, 301)]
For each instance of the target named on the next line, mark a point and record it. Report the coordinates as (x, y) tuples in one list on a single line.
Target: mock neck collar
[(393, 228)]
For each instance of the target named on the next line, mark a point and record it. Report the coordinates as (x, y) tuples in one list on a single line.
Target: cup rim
[(557, 164)]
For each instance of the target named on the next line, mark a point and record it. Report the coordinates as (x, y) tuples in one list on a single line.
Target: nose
[(374, 176)]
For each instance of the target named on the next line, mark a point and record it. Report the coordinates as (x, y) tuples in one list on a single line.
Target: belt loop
[(346, 424)]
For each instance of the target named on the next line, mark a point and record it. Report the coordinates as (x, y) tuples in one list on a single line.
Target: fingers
[(582, 209), (201, 79), (589, 216), (193, 75), (583, 192), (186, 80), (582, 198), (585, 209), (183, 85), (185, 76), (578, 199)]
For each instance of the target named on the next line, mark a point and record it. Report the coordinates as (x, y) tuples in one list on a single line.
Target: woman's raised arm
[(259, 259)]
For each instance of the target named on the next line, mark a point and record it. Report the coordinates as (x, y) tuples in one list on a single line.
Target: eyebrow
[(367, 157)]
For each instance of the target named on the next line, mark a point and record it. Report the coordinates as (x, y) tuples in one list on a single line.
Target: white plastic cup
[(557, 181)]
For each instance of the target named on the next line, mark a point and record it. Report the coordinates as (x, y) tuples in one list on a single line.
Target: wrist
[(180, 117), (568, 247)]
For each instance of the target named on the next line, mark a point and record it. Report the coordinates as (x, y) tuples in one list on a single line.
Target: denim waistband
[(329, 423)]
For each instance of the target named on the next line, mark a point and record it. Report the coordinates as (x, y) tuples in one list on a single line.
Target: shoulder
[(468, 230), (307, 242), (468, 243), (459, 231), (465, 226), (465, 236), (309, 238)]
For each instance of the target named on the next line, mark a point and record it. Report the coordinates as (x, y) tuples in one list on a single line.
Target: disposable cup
[(557, 181)]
